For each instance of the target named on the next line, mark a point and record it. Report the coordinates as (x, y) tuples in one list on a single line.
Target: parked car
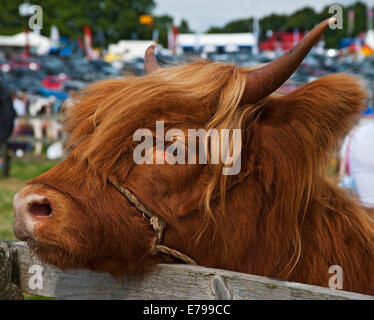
[(53, 65), (81, 69), (17, 63), (53, 82), (104, 69), (24, 80)]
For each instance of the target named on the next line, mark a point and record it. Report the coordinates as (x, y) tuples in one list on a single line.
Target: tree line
[(112, 20), (109, 20), (303, 20)]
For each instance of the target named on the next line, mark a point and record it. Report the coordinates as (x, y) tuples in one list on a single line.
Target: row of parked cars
[(53, 75), (58, 76)]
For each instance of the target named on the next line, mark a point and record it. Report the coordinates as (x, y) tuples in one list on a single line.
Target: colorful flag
[(256, 34), (351, 21), (55, 37), (88, 41), (155, 35), (369, 18), (295, 36), (172, 38)]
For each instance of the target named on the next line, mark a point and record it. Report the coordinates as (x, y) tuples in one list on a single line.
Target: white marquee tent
[(40, 43), (130, 49), (210, 42)]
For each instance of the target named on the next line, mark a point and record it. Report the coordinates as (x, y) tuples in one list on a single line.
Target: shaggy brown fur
[(283, 219)]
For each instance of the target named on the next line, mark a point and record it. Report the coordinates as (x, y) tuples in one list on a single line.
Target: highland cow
[(282, 216)]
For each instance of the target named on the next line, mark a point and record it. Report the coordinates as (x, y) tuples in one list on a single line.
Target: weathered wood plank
[(8, 289), (57, 117), (168, 281)]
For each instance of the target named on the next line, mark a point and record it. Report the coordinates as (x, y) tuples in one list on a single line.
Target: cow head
[(72, 217)]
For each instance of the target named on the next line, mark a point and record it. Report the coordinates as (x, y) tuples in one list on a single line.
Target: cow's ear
[(320, 112)]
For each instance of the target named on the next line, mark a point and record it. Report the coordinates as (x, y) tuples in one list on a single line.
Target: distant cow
[(280, 217)]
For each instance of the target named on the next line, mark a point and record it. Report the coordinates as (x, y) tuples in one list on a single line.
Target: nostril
[(40, 209)]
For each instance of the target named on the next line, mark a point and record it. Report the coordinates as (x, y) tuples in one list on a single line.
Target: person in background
[(52, 126), (7, 113), (7, 116), (357, 161), (19, 103)]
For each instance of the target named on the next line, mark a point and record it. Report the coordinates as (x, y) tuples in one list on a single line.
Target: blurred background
[(49, 52)]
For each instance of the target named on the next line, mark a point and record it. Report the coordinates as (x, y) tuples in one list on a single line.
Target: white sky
[(202, 14)]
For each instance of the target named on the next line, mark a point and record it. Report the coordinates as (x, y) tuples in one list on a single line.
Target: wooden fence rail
[(32, 139), (57, 117), (22, 272), (6, 154)]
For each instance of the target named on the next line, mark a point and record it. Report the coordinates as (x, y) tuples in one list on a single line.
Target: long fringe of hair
[(107, 113)]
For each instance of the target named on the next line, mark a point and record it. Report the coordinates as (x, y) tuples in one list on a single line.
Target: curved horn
[(263, 81), (150, 62)]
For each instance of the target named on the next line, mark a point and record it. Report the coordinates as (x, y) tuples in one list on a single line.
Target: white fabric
[(361, 160), (20, 107), (55, 151)]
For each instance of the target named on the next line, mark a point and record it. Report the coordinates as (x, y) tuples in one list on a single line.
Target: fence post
[(8, 289)]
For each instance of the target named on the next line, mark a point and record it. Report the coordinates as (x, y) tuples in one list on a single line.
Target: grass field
[(21, 171)]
